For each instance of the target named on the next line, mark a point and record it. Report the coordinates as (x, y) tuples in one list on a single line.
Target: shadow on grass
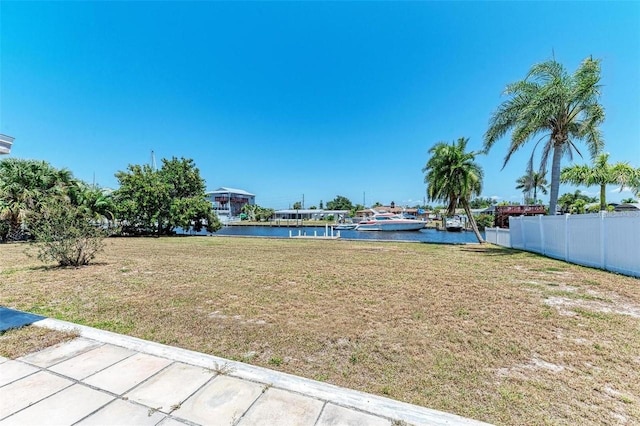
[(491, 250), (50, 267)]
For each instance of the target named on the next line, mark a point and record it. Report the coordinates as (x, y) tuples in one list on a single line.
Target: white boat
[(453, 224), (389, 222), (345, 226)]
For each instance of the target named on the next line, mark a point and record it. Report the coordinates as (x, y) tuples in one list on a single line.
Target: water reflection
[(424, 235)]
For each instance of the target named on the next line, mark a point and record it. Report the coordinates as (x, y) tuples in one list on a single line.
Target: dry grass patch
[(470, 329), (19, 342)]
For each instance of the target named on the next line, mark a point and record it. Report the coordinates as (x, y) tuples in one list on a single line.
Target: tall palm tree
[(602, 174), (559, 108), (452, 176), (532, 181)]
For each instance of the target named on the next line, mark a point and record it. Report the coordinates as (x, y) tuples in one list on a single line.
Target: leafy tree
[(453, 176), (481, 203), (321, 205), (376, 204), (570, 202), (158, 201), (297, 205), (356, 209), (629, 200), (263, 214), (256, 213), (339, 203), (250, 211), (556, 106), (532, 181), (485, 221), (602, 174)]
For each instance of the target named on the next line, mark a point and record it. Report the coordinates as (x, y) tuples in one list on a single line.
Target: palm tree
[(558, 107), (452, 176), (532, 181), (24, 186), (602, 174)]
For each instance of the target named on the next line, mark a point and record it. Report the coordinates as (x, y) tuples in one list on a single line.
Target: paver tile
[(168, 389), (170, 422), (126, 374), (90, 362), (120, 412), (60, 352), (14, 370), (282, 408), (64, 408), (334, 415), (220, 401), (29, 390)]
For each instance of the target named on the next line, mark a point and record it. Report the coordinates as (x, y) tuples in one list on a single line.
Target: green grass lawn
[(494, 334)]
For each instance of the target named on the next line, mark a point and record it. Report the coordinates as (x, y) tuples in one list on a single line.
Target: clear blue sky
[(290, 98)]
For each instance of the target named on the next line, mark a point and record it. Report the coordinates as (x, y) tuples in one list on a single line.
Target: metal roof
[(627, 207), (5, 144), (227, 190)]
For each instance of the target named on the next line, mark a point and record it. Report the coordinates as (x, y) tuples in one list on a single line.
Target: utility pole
[(364, 202), (302, 201)]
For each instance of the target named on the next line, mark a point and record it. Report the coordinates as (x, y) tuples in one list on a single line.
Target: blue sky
[(290, 98)]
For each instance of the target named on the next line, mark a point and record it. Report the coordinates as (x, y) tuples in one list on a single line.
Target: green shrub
[(484, 221), (65, 234)]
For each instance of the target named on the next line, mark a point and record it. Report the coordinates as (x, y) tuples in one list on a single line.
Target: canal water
[(424, 235)]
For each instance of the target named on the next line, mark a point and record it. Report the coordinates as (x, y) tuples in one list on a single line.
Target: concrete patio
[(103, 378)]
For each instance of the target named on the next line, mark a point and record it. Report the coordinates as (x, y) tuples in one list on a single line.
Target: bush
[(485, 221), (5, 228), (66, 234)]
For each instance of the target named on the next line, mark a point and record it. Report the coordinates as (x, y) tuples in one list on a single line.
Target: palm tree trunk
[(474, 226), (603, 197), (555, 178)]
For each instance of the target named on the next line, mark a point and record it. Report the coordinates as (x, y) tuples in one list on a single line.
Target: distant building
[(628, 207), (310, 214), (502, 213), (227, 203), (5, 144)]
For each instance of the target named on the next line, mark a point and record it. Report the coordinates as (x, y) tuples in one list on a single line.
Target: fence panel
[(504, 237), (622, 243), (517, 236), (498, 236), (554, 231), (491, 235), (533, 236), (584, 237), (610, 241)]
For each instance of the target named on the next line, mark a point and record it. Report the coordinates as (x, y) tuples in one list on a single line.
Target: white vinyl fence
[(609, 241)]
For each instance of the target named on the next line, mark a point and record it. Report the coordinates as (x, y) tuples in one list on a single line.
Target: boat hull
[(345, 227), (399, 226)]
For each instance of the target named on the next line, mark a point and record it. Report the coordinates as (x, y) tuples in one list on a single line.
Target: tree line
[(70, 217)]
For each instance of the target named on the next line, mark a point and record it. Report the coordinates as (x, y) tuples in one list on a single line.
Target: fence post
[(522, 233), (603, 236), (566, 237), (541, 230)]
